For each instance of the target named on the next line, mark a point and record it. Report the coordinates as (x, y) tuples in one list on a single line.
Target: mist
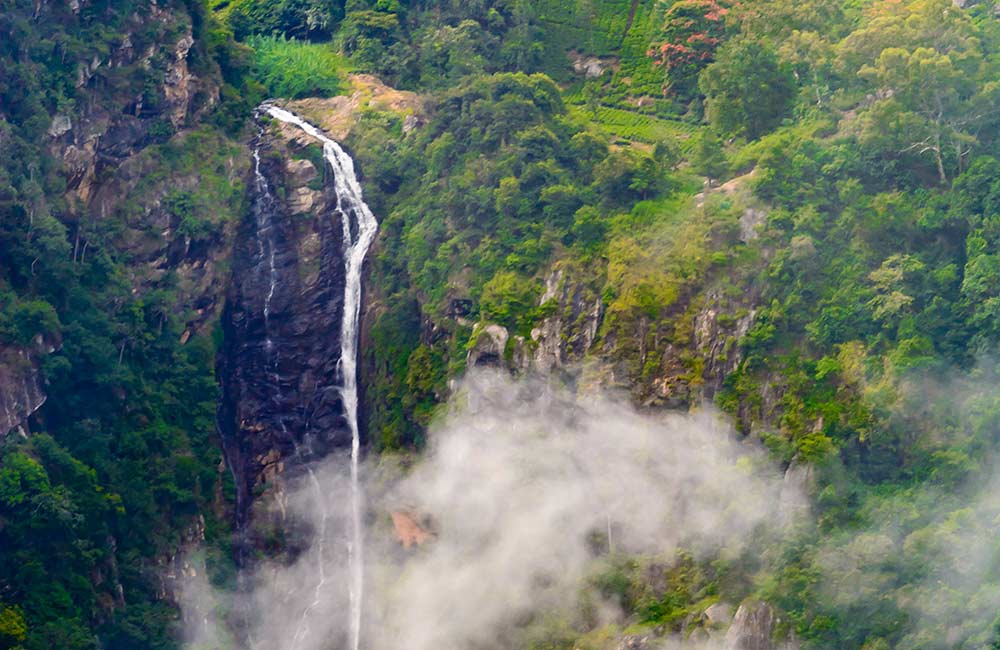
[(928, 554), (523, 487)]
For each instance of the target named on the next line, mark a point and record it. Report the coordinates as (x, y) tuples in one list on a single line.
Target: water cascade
[(359, 226)]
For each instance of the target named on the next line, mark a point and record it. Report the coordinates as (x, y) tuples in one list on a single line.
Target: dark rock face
[(279, 364)]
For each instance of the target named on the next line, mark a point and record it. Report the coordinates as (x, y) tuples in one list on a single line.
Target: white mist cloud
[(517, 482), (931, 551), (522, 484)]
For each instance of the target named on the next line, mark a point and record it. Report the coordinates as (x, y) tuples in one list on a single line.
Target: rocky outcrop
[(718, 327), (570, 332), (697, 344), (559, 341), (152, 233), (637, 642), (338, 115), (176, 567), (592, 67), (489, 343), (21, 392), (796, 486), (754, 628), (105, 133), (143, 90), (280, 359)]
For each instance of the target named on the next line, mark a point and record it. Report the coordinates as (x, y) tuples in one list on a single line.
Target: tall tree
[(747, 90), (690, 33), (943, 99)]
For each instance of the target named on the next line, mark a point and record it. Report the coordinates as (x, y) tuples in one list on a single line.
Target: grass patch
[(295, 69)]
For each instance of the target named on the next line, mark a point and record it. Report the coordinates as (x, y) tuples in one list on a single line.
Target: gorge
[(676, 328), (300, 437)]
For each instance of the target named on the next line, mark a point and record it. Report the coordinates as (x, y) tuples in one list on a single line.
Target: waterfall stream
[(358, 236), (265, 234)]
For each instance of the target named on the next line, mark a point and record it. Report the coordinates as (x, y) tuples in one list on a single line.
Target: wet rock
[(301, 200), (300, 172), (280, 363)]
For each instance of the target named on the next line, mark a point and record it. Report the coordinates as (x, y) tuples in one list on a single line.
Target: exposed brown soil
[(338, 115), (408, 531)]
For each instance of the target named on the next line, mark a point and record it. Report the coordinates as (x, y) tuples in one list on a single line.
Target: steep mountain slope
[(117, 197)]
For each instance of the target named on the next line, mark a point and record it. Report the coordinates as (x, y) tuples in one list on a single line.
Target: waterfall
[(358, 237), (265, 233)]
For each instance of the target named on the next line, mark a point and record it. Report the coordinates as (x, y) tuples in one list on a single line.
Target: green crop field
[(635, 126)]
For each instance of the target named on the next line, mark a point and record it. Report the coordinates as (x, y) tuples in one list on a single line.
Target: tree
[(777, 20), (691, 32), (747, 90), (811, 58), (891, 291), (934, 89), (589, 227), (937, 24), (942, 99), (13, 629), (708, 158), (507, 298)]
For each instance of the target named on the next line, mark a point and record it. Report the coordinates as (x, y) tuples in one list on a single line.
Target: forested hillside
[(789, 210)]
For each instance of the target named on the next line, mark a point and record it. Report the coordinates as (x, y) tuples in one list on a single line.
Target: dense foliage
[(124, 459)]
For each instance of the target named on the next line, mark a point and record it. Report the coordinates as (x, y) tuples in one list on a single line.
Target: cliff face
[(684, 358), (279, 363), (21, 391), (111, 127), (122, 151), (127, 158)]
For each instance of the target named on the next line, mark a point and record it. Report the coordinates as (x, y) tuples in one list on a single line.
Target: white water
[(349, 201), (265, 233)]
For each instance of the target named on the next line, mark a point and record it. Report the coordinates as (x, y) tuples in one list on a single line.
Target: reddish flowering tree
[(692, 31)]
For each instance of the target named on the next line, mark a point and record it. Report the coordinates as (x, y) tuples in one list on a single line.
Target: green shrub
[(507, 298)]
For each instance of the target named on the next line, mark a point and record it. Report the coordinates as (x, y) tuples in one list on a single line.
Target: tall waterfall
[(358, 236)]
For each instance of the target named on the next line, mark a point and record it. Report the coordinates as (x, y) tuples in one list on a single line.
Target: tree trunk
[(940, 159)]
